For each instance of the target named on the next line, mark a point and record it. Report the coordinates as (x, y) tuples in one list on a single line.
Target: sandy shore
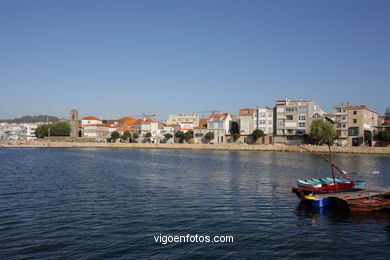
[(226, 147)]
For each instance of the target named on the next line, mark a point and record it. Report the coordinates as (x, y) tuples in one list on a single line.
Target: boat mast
[(326, 160), (330, 156)]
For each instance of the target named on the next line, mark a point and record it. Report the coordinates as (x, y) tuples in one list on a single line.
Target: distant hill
[(31, 119)]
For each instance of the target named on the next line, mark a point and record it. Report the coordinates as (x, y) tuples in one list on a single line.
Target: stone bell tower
[(74, 123)]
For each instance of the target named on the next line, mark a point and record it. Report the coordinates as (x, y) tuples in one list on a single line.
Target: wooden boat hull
[(325, 189), (364, 202)]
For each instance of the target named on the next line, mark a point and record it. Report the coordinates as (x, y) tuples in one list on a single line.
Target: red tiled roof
[(224, 116), (126, 118), (91, 118), (96, 125), (122, 128), (241, 112), (358, 107), (387, 122)]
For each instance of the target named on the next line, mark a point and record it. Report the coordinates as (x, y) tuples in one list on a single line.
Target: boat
[(302, 192), (328, 185), (365, 201), (301, 183)]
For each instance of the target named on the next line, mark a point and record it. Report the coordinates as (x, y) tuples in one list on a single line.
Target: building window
[(302, 110), (280, 123), (290, 110), (302, 124), (355, 112), (289, 117), (302, 117), (354, 121), (261, 122), (353, 131)]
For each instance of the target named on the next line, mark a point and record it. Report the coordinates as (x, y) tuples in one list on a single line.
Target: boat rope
[(328, 161)]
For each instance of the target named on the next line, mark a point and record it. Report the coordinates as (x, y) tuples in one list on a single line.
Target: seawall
[(224, 147)]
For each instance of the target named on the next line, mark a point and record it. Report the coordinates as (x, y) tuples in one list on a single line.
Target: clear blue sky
[(116, 58)]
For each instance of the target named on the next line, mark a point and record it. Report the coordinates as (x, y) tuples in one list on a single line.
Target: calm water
[(109, 204)]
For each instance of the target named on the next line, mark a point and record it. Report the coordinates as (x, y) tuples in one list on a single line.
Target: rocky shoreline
[(223, 147)]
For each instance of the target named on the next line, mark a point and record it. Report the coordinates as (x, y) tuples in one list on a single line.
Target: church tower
[(74, 123)]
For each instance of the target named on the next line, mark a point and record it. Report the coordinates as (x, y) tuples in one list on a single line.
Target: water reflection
[(338, 216)]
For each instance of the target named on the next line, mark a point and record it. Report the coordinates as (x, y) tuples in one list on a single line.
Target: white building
[(177, 119), (221, 126), (94, 127), (259, 118), (293, 119)]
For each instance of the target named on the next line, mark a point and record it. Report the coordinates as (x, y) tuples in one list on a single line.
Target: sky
[(118, 58)]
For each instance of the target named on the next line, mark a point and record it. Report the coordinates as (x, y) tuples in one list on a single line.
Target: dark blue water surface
[(109, 204)]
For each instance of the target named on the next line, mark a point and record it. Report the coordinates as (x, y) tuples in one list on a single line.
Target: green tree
[(135, 136), (387, 114), (179, 134), (148, 135), (209, 136), (188, 135), (56, 129), (60, 129), (322, 132), (42, 131), (257, 134), (168, 136), (367, 137), (236, 136), (115, 135), (126, 135), (384, 135)]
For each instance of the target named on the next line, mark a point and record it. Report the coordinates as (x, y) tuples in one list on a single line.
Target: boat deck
[(368, 191)]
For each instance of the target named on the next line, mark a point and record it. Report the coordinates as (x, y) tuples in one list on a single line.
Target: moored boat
[(328, 185), (363, 202)]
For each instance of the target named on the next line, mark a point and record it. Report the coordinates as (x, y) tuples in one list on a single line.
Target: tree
[(188, 135), (387, 114), (147, 137), (384, 135), (126, 135), (322, 132), (168, 136), (115, 135), (60, 129), (257, 134), (179, 134), (236, 136), (56, 129), (367, 137), (135, 136), (209, 136), (42, 131)]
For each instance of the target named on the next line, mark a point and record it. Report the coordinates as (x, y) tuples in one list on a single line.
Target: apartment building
[(177, 119), (94, 127), (259, 118), (354, 125), (293, 119), (221, 126)]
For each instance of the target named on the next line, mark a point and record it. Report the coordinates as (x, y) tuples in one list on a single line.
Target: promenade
[(223, 147)]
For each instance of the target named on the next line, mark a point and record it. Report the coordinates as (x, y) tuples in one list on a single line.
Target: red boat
[(366, 201), (334, 188), (302, 192)]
